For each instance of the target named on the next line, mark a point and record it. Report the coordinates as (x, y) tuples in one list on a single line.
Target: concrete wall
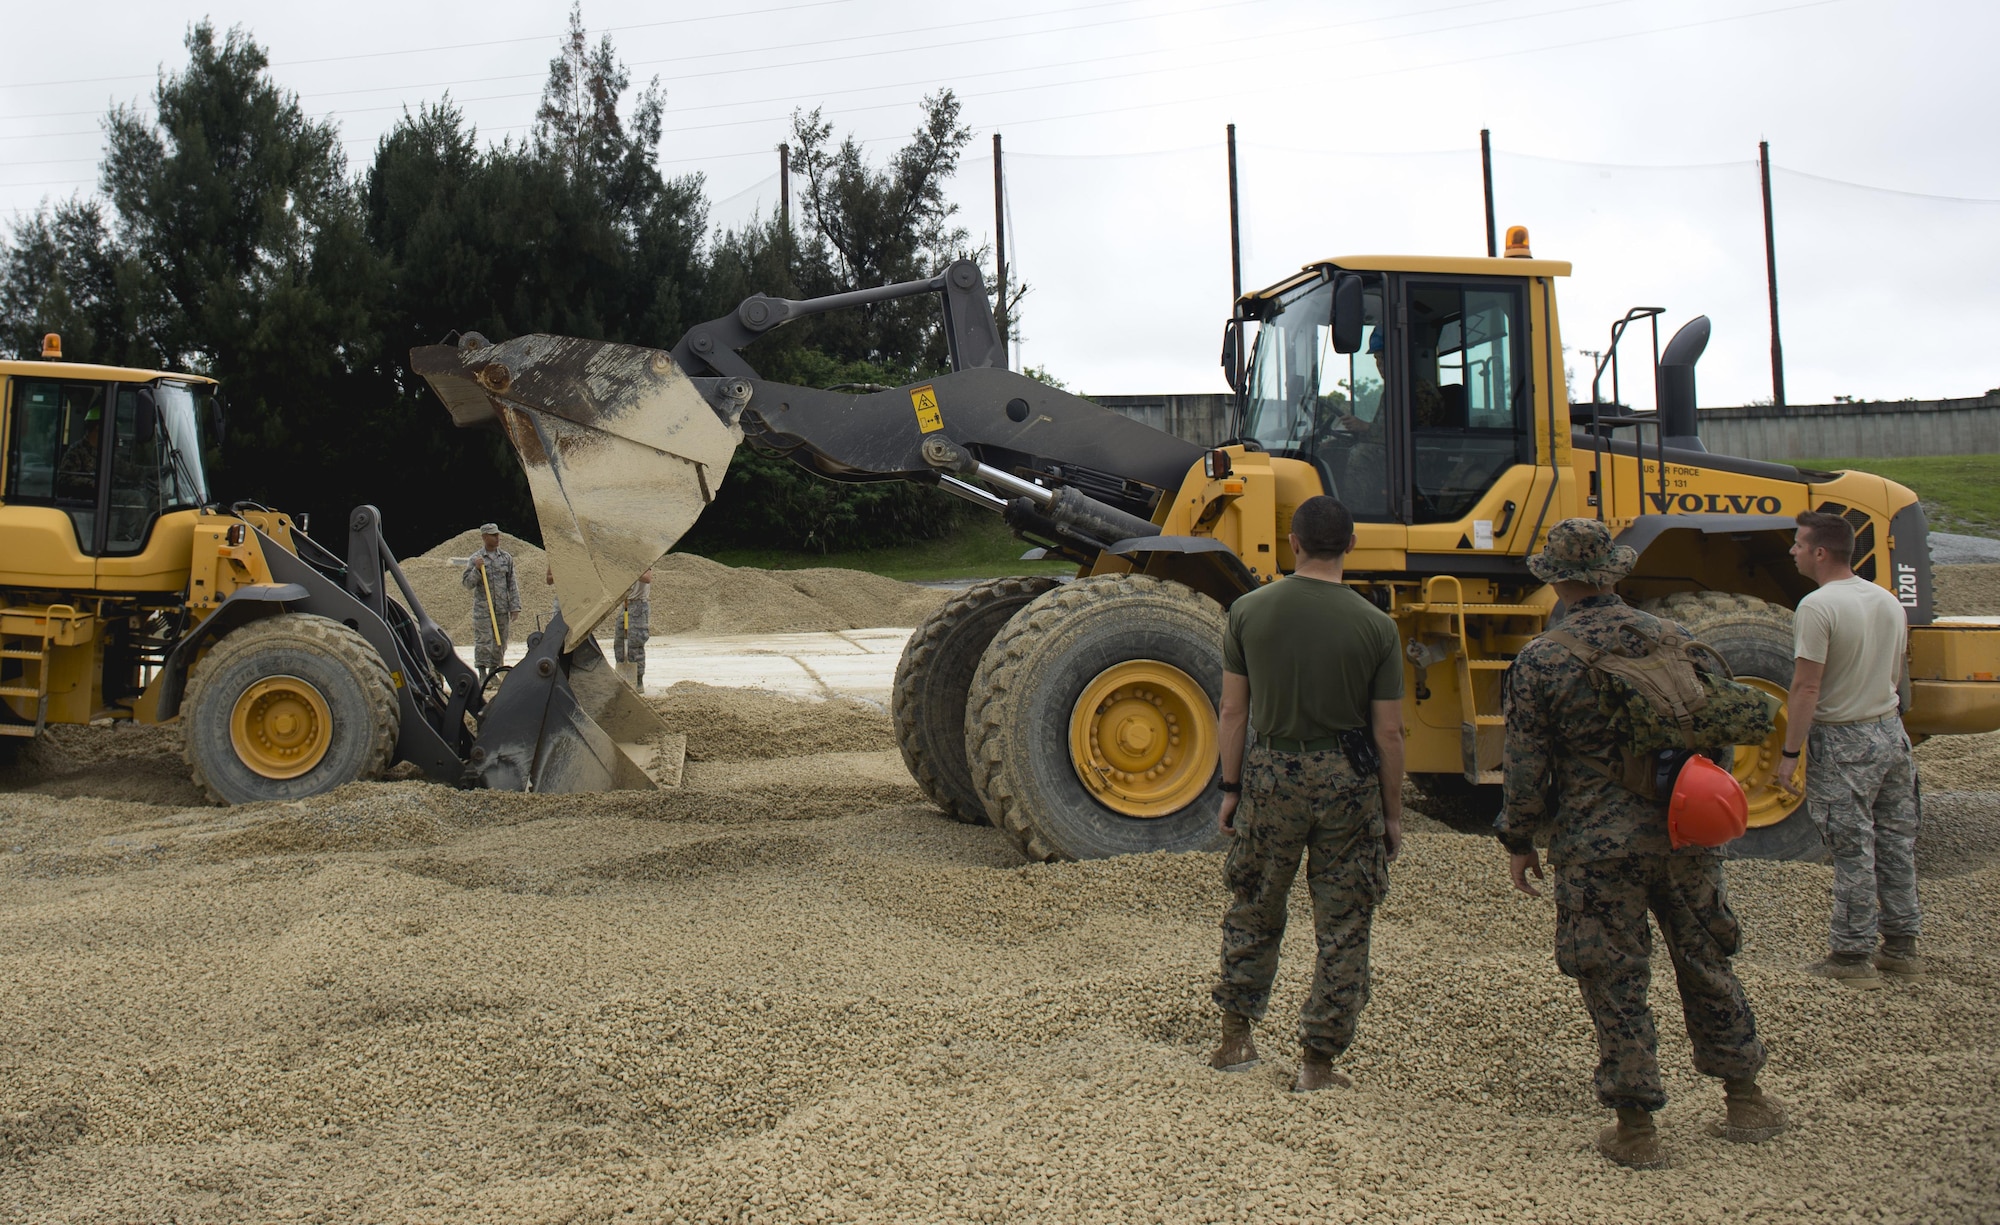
[(1848, 431), (1204, 419), (1797, 431)]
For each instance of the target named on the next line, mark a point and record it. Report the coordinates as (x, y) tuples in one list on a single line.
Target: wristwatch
[(1229, 787), (1790, 753)]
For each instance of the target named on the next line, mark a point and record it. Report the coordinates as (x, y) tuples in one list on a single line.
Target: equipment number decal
[(929, 419)]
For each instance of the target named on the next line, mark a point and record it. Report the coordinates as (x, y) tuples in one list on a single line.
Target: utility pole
[(1771, 276), (785, 187), (1235, 257), (1486, 173), (1000, 247)]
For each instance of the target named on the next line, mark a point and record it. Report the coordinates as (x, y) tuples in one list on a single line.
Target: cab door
[(52, 485)]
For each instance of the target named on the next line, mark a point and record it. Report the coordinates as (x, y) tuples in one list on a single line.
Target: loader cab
[(1427, 412), (110, 449)]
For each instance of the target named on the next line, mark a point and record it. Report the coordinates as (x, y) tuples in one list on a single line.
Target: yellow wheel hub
[(1143, 738), (1757, 766), (281, 727)]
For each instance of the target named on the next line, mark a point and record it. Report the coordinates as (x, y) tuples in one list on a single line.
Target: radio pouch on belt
[(1359, 745)]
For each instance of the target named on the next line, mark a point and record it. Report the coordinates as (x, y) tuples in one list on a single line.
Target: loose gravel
[(788, 992)]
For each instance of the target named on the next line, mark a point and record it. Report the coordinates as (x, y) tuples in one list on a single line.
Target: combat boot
[(1632, 1141), (1316, 1074), (1898, 955), (1754, 1116), (1238, 1052), (1849, 969)]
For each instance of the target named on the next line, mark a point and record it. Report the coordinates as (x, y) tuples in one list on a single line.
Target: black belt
[(1324, 744)]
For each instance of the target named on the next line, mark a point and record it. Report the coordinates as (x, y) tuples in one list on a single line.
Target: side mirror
[(1229, 334), (1346, 319), (218, 418), (145, 416)]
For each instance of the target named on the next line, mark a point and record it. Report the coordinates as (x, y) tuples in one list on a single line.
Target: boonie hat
[(489, 529), (1582, 551)]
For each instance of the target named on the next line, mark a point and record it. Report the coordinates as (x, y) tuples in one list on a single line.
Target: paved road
[(1952, 549), (850, 663)]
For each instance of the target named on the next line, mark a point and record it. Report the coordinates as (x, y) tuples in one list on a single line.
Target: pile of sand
[(1961, 591), (691, 594), (439, 583), (791, 992)]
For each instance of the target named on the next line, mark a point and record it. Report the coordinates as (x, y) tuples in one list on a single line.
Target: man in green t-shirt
[(1317, 671)]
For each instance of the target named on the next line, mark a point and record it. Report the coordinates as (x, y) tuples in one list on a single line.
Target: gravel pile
[(1966, 590), (691, 595), (791, 992)]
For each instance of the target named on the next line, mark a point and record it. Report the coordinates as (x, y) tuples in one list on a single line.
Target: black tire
[(1028, 685), (1466, 807), (933, 679), (335, 661), (1755, 638)]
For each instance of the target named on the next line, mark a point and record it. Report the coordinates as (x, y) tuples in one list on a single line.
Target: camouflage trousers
[(1309, 806), (1604, 942), (628, 646), (486, 653), (1861, 791)]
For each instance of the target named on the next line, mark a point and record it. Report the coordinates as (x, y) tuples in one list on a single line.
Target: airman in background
[(628, 636), (496, 599)]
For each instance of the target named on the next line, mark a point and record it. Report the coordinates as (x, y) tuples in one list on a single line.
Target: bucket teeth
[(621, 451)]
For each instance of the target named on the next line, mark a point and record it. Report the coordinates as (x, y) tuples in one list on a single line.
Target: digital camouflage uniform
[(629, 634), (1613, 863), (1311, 806), (1861, 792), (489, 651)]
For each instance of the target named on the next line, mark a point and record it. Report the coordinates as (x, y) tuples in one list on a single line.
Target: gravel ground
[(790, 992)]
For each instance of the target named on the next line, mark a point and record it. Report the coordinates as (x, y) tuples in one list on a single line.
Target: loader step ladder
[(1481, 739), (20, 652)]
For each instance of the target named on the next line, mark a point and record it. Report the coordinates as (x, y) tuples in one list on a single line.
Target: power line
[(495, 42)]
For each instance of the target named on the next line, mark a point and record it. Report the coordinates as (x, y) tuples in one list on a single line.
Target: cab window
[(1469, 396), (56, 450)]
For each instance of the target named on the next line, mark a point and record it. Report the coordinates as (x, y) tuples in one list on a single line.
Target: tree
[(876, 227), (63, 273), (250, 264)]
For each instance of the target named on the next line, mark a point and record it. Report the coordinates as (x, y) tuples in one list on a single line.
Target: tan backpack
[(1662, 708)]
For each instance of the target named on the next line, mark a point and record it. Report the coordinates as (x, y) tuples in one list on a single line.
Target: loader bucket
[(621, 452), (565, 721)]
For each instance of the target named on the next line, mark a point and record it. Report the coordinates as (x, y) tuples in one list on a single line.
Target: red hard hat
[(1708, 807)]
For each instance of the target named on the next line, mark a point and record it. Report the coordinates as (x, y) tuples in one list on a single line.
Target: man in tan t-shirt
[(1860, 789)]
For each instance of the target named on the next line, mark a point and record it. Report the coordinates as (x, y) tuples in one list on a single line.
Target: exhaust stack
[(1678, 427)]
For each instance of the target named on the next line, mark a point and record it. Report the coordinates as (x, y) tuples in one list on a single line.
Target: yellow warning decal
[(929, 419)]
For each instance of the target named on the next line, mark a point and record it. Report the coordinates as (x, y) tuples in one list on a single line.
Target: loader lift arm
[(592, 422)]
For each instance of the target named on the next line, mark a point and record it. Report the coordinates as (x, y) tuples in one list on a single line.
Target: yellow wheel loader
[(1426, 393), (126, 595)]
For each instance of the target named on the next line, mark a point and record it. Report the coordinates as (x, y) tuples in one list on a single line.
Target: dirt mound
[(438, 582), (693, 595), (740, 724), (1966, 591)]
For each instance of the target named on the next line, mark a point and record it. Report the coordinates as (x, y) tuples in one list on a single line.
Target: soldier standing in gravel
[(1861, 788), (628, 637), (1613, 862), (491, 570), (1315, 669)]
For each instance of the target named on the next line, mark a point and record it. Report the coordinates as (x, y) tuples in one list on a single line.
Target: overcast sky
[(1625, 134)]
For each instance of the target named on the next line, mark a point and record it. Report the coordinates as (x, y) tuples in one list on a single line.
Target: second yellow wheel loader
[(1426, 393), (127, 594)]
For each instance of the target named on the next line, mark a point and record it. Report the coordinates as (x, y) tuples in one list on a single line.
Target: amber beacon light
[(51, 348), (1517, 242)]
